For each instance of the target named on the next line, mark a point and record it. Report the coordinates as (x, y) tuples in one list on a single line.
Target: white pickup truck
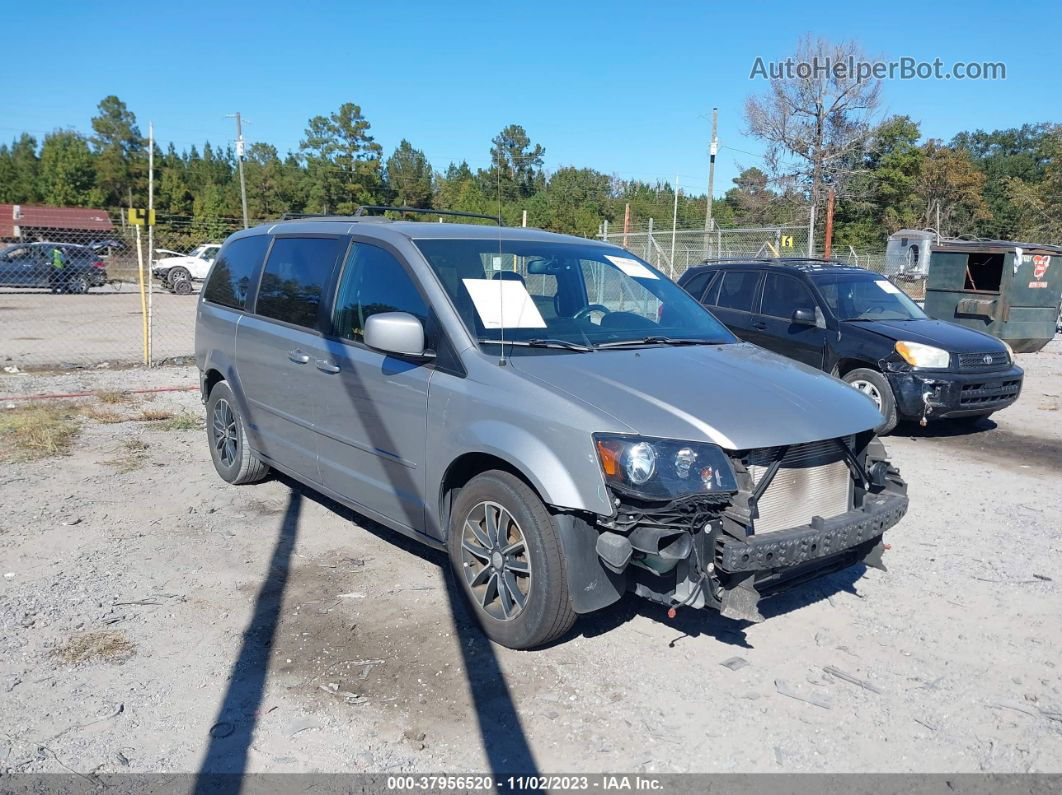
[(186, 268)]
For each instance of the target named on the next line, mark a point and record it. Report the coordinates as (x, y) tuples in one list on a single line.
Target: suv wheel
[(874, 385), (176, 274), (505, 549), (232, 457)]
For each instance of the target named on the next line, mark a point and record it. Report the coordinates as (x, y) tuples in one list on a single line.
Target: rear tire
[(875, 386), (506, 552), (229, 451)]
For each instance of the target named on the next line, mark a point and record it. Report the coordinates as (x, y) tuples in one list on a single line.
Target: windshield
[(866, 296), (565, 294), (198, 250)]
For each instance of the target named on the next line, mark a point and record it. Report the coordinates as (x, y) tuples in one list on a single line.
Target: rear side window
[(373, 281), (295, 277), (783, 295), (696, 285), (231, 278), (737, 290)]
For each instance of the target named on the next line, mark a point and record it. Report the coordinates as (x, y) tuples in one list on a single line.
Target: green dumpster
[(1007, 289)]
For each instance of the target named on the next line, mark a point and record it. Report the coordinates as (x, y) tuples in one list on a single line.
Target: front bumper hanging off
[(704, 551)]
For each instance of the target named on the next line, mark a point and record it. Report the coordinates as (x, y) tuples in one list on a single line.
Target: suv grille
[(990, 360), (813, 480)]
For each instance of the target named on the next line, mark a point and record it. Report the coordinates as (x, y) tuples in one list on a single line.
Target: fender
[(574, 482)]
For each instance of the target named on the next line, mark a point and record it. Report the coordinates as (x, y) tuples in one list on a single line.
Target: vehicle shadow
[(943, 429), (503, 739), (690, 623), (234, 724)]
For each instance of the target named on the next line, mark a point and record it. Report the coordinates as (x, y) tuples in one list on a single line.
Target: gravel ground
[(102, 326), (153, 618)]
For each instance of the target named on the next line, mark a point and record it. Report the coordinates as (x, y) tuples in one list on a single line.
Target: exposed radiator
[(813, 480)]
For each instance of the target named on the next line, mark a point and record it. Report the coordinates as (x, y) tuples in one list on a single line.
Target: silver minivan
[(562, 419)]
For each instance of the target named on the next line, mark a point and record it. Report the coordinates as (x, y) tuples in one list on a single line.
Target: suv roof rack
[(361, 214), (363, 210)]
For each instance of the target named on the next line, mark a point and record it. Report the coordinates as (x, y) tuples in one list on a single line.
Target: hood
[(738, 396), (939, 333), (180, 259)]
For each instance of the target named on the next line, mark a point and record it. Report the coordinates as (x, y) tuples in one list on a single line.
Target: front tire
[(506, 552), (229, 451), (875, 386), (177, 274)]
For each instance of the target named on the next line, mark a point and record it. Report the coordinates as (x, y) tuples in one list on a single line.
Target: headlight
[(663, 468), (1010, 351), (918, 355)]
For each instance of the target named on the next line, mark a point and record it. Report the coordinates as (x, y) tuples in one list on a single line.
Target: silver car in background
[(555, 413)]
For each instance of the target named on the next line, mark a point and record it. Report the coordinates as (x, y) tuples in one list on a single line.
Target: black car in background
[(30, 265), (859, 326)]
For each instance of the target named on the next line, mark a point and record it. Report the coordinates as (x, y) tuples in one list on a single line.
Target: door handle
[(326, 366), (299, 357), (760, 326)]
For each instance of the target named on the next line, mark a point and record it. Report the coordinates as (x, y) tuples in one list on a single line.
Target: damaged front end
[(750, 523)]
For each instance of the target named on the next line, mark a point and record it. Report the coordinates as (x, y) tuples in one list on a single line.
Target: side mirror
[(804, 317), (395, 332)]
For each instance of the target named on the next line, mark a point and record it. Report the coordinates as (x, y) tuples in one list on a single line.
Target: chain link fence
[(674, 251), (81, 292)]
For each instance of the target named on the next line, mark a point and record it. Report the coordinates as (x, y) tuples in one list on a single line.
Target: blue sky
[(624, 87)]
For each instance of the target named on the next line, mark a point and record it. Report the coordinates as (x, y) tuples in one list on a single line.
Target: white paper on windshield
[(887, 286), (504, 303), (631, 267)]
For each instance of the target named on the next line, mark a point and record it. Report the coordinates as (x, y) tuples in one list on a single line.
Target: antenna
[(501, 283)]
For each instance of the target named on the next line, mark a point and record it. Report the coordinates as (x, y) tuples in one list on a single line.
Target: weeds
[(112, 396), (37, 430), (182, 422), (132, 456), (155, 415), (104, 416), (106, 645)]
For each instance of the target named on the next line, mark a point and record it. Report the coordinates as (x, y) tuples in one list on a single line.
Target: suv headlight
[(1010, 351), (663, 468), (918, 355)]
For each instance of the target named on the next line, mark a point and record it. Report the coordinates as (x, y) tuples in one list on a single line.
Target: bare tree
[(816, 116)]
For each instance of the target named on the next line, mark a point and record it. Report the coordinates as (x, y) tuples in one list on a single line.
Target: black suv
[(859, 326)]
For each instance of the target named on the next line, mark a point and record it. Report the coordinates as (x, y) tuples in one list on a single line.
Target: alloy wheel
[(495, 560), (223, 430), (869, 390)]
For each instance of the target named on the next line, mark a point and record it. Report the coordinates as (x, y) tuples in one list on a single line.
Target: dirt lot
[(153, 618), (102, 326)]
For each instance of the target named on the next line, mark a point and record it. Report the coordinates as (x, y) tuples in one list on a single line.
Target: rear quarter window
[(232, 276)]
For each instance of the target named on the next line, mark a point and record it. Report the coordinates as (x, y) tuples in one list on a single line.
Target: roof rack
[(365, 208)]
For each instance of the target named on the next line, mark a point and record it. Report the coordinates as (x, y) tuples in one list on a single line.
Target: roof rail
[(363, 210)]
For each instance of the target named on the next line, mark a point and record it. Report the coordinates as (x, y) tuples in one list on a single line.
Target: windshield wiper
[(658, 341), (544, 343)]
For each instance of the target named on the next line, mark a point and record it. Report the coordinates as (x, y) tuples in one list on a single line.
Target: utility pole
[(713, 148), (674, 227), (626, 223), (151, 239), (828, 248), (938, 222), (239, 160), (811, 230)]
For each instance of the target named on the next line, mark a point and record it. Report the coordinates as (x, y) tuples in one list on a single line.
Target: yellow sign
[(787, 241), (138, 215)]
